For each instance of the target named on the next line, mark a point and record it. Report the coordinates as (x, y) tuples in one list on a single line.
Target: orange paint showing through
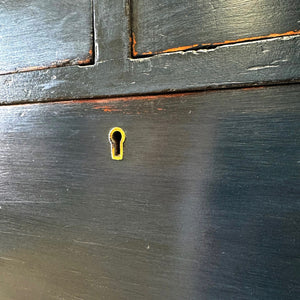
[(126, 99), (134, 52), (190, 47), (182, 48), (115, 100), (253, 87), (87, 60), (59, 63), (55, 64), (35, 68), (106, 108), (272, 35)]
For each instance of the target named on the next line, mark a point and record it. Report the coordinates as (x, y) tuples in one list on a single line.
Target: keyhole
[(117, 138)]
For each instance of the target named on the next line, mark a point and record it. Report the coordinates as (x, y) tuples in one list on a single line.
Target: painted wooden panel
[(115, 73), (204, 205), (162, 26), (38, 34)]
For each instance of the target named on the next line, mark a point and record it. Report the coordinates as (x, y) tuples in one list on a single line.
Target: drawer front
[(204, 204)]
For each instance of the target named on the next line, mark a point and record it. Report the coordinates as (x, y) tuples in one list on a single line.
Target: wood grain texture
[(205, 204), (39, 34), (168, 26)]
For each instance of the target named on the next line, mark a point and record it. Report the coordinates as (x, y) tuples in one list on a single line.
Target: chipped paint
[(227, 42), (61, 62), (88, 59), (85, 61)]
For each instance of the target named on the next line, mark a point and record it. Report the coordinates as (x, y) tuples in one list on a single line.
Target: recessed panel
[(162, 26), (39, 34)]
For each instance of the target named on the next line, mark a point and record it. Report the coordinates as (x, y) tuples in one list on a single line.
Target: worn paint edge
[(89, 60), (132, 98), (154, 96), (85, 61), (135, 54)]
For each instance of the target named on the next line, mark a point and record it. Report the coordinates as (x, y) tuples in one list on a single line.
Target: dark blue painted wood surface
[(162, 26), (205, 204), (37, 34)]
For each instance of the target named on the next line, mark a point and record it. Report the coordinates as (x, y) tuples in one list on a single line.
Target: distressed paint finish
[(262, 62), (39, 34), (168, 26), (205, 204), (115, 73), (208, 45)]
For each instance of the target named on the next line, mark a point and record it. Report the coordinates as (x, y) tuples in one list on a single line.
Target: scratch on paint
[(262, 67), (6, 258), (111, 108), (106, 108)]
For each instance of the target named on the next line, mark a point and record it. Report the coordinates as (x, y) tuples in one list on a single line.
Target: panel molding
[(116, 73)]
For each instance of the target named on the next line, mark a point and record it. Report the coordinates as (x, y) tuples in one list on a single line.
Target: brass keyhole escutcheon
[(116, 138)]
